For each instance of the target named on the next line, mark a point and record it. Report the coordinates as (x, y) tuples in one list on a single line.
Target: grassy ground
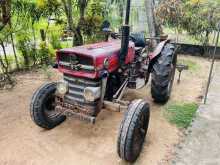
[(192, 65), (181, 114)]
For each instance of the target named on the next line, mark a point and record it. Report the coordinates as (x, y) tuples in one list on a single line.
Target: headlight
[(62, 88), (92, 93)]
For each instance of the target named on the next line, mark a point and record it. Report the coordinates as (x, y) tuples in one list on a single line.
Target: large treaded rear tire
[(163, 73), (133, 130), (39, 107)]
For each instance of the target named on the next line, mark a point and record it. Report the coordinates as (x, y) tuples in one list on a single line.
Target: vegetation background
[(32, 30)]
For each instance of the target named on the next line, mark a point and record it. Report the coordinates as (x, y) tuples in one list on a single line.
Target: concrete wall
[(198, 50)]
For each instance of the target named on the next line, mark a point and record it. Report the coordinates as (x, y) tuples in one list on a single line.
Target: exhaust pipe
[(125, 35)]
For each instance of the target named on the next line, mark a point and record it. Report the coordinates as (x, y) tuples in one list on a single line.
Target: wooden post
[(212, 65)]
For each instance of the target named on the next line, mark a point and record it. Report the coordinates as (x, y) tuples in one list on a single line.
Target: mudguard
[(158, 49), (153, 55)]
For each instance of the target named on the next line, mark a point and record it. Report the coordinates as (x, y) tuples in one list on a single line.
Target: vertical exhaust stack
[(125, 35)]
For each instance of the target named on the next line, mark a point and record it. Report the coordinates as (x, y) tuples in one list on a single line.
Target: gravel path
[(202, 145)]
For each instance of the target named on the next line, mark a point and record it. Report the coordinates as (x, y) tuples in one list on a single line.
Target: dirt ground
[(75, 142)]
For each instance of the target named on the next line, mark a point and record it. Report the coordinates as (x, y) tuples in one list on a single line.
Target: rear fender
[(153, 55)]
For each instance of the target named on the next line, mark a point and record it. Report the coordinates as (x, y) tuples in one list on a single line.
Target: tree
[(5, 9), (197, 17), (151, 20), (68, 5), (81, 4), (4, 63)]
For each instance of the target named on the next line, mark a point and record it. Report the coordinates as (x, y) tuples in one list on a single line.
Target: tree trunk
[(149, 4), (35, 43), (14, 50), (70, 15), (5, 67), (121, 13), (5, 7), (78, 38), (5, 54), (26, 59), (68, 11), (6, 76), (78, 34)]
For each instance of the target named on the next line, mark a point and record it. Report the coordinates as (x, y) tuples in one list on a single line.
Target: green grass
[(193, 66), (181, 114)]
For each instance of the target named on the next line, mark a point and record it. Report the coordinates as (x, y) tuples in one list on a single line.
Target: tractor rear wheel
[(133, 130), (163, 74), (42, 107)]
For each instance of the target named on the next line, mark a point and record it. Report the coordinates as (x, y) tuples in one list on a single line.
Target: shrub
[(55, 40), (43, 53), (25, 47)]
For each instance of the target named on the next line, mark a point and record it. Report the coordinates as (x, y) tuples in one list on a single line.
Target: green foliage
[(29, 16), (44, 53), (47, 72), (91, 24), (181, 114), (10, 61), (54, 35), (55, 40), (198, 17), (25, 47)]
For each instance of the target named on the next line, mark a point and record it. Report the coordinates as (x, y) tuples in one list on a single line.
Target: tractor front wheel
[(43, 107), (133, 130)]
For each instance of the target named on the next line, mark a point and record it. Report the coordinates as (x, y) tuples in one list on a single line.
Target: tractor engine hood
[(90, 60)]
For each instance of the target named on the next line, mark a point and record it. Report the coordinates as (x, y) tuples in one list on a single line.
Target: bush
[(25, 47), (55, 40), (43, 53)]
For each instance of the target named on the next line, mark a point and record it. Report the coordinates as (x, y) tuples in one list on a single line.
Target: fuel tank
[(89, 60)]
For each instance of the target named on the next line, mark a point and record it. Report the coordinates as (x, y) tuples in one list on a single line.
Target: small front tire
[(42, 107), (133, 130)]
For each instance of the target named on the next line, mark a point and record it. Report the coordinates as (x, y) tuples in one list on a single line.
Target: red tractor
[(96, 76)]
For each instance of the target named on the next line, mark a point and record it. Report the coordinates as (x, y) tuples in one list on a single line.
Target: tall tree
[(151, 20), (82, 4), (68, 8), (67, 4)]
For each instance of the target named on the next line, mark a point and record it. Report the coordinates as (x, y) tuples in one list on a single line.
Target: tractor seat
[(138, 39)]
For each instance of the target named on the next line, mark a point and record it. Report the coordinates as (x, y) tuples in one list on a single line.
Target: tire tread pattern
[(160, 74), (128, 125)]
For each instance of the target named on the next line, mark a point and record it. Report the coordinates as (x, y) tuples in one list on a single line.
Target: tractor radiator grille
[(76, 62), (76, 91)]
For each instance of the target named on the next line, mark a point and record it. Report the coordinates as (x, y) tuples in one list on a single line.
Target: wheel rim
[(139, 134), (49, 107)]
